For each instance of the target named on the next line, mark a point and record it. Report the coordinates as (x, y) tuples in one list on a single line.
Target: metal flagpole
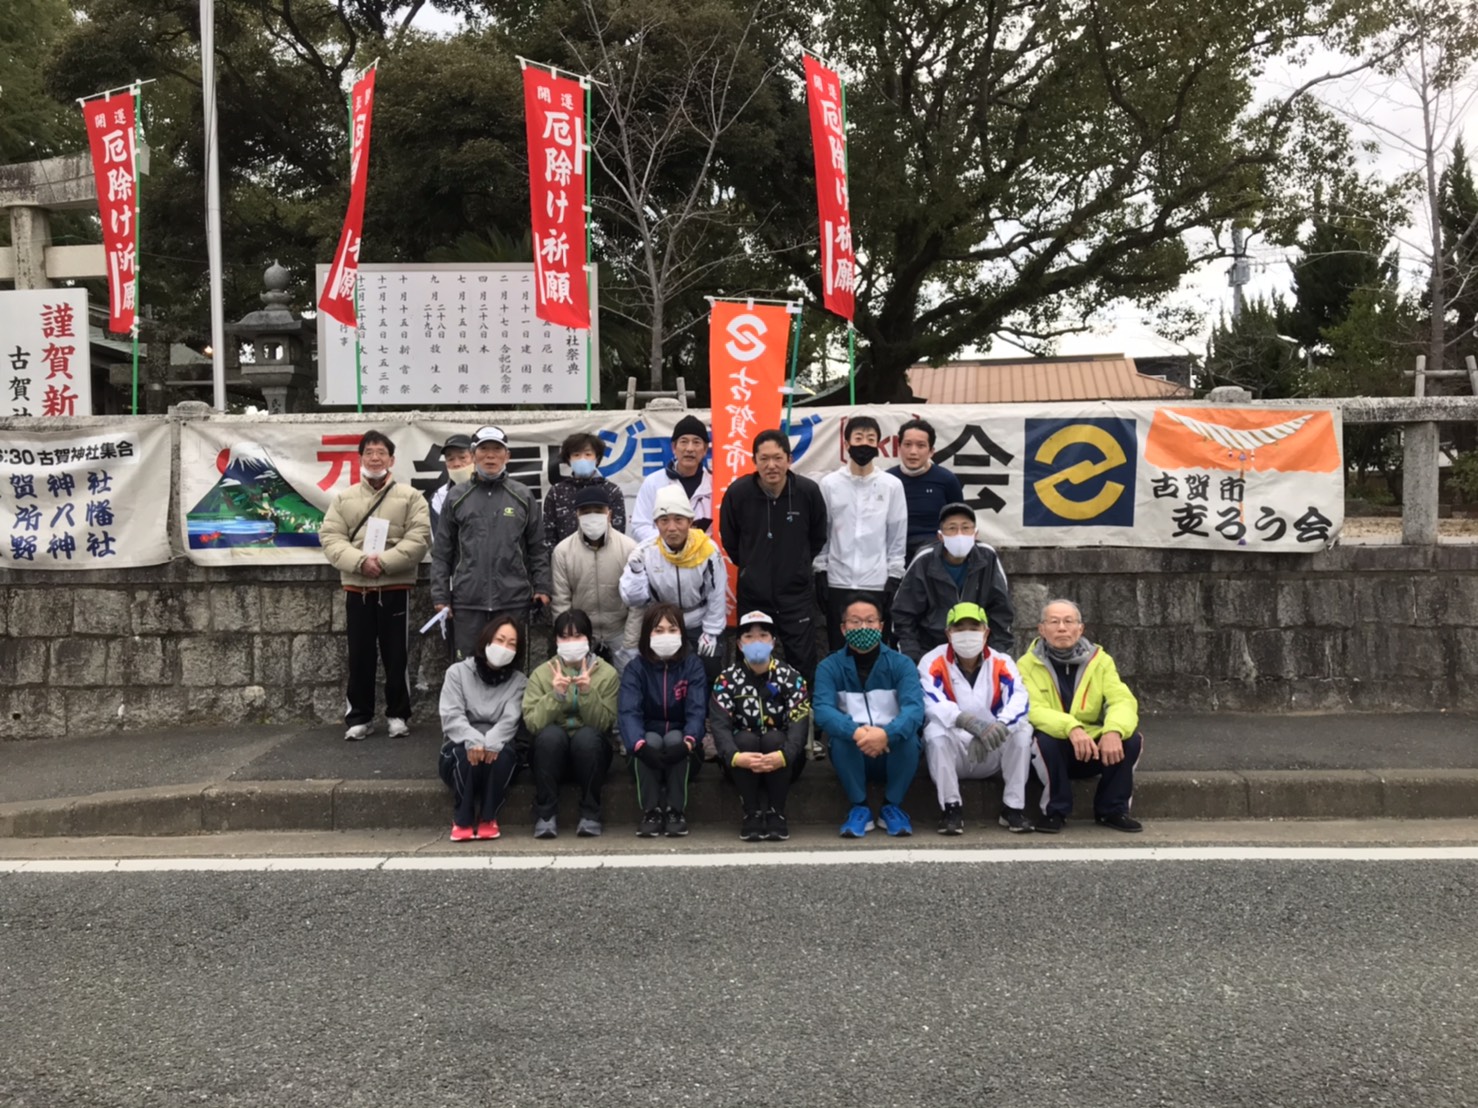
[(795, 357), (213, 203), (138, 138), (589, 261), (851, 329), (358, 346)]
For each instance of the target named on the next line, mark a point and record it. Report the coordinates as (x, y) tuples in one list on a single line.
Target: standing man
[(1085, 718), (867, 522), (772, 523), (926, 486), (975, 723), (956, 569), (587, 570), (686, 470), (377, 586), (489, 554), (456, 455), (680, 565), (582, 452)]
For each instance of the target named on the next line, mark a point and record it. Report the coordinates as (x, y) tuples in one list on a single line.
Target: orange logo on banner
[(1243, 439), (746, 370)]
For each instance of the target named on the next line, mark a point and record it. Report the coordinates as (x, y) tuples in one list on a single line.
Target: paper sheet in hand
[(376, 531)]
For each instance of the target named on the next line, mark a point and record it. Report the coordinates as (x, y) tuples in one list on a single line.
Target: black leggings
[(759, 791)]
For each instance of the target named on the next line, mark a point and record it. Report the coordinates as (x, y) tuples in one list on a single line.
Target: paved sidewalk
[(1221, 766)]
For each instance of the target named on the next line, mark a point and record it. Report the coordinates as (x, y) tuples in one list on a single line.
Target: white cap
[(672, 501), (755, 616), (490, 433)]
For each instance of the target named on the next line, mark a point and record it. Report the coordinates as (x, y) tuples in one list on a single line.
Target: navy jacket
[(662, 697)]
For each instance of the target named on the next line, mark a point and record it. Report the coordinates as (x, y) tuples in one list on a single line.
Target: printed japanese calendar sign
[(85, 499), (45, 369), (439, 337)]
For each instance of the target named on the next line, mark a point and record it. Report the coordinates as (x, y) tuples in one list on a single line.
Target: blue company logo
[(1080, 473)]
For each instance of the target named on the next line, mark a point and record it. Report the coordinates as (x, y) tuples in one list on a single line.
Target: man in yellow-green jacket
[(1085, 719)]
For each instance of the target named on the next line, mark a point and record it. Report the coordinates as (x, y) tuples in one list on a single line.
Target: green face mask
[(863, 639)]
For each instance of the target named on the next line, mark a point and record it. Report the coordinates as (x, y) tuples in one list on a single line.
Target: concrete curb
[(362, 805)]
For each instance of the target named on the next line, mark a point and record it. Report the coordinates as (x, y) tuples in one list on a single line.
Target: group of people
[(916, 609)]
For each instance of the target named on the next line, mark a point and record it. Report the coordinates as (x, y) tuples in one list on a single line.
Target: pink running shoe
[(462, 834), (488, 830)]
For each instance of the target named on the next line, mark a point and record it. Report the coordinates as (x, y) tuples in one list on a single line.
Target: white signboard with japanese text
[(1097, 474), (440, 336), (85, 499), (45, 363)]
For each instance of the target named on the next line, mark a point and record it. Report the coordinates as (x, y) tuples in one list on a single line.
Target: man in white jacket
[(681, 565), (687, 472), (867, 531), (587, 570), (975, 721)]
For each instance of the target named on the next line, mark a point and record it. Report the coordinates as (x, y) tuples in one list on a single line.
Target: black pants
[(583, 757), (467, 625), (377, 629), (1115, 786), (837, 600), (662, 775), (759, 791), (479, 791), (795, 629)]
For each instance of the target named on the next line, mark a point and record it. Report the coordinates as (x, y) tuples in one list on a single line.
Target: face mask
[(667, 644), (862, 455), (459, 475), (583, 467), (756, 652), (498, 655), (573, 650), (968, 644), (864, 639), (957, 546), (911, 472), (593, 525), (374, 474)]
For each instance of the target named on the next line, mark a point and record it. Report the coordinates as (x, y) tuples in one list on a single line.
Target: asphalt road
[(1055, 984)]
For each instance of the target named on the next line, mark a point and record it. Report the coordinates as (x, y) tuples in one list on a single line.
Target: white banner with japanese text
[(1083, 474), (85, 499), (45, 362)]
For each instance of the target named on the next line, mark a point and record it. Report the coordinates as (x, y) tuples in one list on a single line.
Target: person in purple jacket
[(661, 715)]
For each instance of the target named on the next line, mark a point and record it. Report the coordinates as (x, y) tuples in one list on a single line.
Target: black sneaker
[(677, 825), (1050, 824), (1120, 821), (752, 830), (952, 822), (1015, 821), (777, 827), (651, 825)]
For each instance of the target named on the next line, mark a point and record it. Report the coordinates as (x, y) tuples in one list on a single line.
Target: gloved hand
[(972, 723), (990, 740), (647, 754), (707, 645)]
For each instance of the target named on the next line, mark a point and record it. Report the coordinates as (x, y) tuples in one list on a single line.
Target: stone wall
[(1360, 628)]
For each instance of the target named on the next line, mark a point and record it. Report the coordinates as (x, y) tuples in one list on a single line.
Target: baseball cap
[(958, 508), (965, 610), (591, 496), (490, 433), (750, 618), (457, 442)]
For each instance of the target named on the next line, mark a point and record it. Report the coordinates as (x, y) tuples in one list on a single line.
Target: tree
[(1252, 353), (33, 124)]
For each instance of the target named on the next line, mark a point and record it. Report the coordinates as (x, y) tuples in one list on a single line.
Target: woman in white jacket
[(481, 708)]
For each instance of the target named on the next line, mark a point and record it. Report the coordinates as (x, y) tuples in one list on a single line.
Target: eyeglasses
[(862, 623), (1069, 622)]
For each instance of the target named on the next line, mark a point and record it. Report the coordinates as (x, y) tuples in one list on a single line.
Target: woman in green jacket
[(570, 707)]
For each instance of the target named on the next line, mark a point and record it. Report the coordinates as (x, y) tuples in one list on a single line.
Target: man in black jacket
[(772, 524), (955, 569)]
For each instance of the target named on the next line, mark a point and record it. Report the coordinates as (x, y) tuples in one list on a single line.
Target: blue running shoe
[(859, 822), (896, 820)]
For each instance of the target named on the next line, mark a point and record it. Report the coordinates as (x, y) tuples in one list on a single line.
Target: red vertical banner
[(833, 203), (112, 136), (746, 371), (554, 116), (337, 300)]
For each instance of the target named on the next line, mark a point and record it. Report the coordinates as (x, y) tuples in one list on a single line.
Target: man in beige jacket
[(587, 575), (375, 534)]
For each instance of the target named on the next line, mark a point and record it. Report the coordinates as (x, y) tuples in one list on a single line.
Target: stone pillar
[(30, 234), (1419, 484)]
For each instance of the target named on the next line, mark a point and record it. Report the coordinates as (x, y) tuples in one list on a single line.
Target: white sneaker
[(399, 728), (358, 731)]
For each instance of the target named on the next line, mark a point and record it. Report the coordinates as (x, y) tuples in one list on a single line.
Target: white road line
[(503, 862)]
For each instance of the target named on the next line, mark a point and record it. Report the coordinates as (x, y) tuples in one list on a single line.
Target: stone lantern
[(278, 361)]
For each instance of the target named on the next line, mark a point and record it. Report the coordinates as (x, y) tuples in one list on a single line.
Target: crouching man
[(975, 720), (1085, 718)]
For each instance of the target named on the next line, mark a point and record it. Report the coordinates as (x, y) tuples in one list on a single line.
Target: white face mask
[(460, 475), (666, 644), (374, 474), (957, 546), (573, 650), (593, 525), (968, 644), (498, 655)]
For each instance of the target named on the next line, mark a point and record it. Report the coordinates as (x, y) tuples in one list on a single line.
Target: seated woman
[(664, 698), (759, 716), (570, 708), (481, 707)]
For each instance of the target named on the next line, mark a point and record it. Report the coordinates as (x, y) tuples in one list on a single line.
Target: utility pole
[(1240, 273)]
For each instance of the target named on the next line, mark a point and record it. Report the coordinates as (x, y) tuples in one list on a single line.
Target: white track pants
[(949, 764)]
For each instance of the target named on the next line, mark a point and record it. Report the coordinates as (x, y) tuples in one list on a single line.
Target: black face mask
[(862, 455)]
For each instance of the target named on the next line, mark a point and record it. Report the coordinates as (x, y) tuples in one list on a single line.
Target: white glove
[(707, 645)]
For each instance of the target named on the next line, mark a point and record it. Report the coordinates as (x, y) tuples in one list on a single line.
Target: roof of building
[(1010, 381)]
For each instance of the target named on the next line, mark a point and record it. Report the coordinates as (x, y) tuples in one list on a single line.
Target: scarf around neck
[(1078, 653), (699, 549)]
